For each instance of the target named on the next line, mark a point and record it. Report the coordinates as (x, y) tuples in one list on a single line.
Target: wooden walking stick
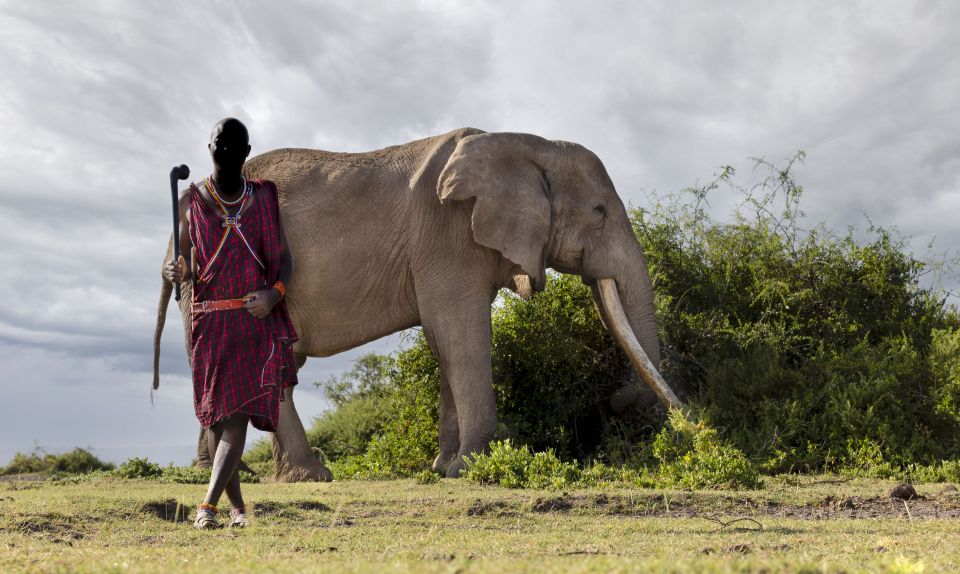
[(176, 174)]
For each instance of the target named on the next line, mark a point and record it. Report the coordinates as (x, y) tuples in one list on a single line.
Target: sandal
[(206, 517), (238, 517)]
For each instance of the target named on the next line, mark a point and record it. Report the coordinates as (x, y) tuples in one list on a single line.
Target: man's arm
[(260, 303), (179, 271)]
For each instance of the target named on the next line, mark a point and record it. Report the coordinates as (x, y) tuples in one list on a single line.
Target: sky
[(99, 99)]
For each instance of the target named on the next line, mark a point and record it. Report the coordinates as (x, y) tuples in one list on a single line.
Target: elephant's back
[(298, 171)]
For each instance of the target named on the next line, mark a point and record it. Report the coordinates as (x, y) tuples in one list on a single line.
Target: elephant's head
[(543, 204)]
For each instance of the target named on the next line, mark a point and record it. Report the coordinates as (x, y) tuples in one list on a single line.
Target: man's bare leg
[(233, 484), (229, 437)]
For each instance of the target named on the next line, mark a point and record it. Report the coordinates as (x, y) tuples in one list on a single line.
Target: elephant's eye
[(601, 210)]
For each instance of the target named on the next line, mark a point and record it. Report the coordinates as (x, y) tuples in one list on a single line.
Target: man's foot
[(206, 517), (238, 517)]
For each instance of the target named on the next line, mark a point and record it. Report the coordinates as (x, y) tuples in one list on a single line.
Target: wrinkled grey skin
[(426, 233)]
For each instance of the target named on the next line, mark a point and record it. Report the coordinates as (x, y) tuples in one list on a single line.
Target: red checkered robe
[(240, 363)]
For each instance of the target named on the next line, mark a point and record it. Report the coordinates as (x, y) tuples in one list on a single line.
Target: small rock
[(903, 491)]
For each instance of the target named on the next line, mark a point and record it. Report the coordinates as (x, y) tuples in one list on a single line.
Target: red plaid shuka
[(240, 363)]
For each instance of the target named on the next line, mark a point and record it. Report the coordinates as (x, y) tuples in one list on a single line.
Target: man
[(241, 335)]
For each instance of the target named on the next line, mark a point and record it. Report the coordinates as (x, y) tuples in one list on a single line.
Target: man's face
[(229, 146)]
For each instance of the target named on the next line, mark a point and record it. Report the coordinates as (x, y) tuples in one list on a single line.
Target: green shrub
[(520, 467), (24, 464), (427, 477), (77, 461), (813, 351), (194, 475), (692, 455), (138, 468), (406, 442)]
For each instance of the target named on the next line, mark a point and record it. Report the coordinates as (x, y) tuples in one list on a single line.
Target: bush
[(519, 467), (555, 368), (811, 350), (692, 455), (25, 464), (77, 461), (406, 439), (138, 468)]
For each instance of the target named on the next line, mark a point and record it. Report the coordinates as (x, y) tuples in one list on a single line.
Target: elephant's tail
[(165, 290)]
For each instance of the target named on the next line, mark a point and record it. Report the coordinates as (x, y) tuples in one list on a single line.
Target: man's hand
[(176, 272), (260, 303)]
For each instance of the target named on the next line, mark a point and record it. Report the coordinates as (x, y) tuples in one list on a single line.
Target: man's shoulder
[(263, 183), (185, 192)]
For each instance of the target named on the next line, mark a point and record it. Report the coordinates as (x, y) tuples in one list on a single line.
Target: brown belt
[(219, 305)]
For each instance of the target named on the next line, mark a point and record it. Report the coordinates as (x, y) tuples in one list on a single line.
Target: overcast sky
[(99, 99)]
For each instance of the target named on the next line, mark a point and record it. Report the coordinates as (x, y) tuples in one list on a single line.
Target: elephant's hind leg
[(293, 459)]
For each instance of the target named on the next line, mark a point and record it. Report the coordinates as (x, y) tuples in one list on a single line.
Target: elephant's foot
[(443, 460), (301, 470), (458, 465)]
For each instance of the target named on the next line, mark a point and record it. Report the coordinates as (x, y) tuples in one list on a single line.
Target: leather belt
[(218, 305)]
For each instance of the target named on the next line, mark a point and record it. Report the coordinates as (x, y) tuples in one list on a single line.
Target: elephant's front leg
[(460, 335), (449, 427)]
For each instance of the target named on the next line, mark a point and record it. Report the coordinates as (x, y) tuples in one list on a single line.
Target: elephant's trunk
[(623, 332)]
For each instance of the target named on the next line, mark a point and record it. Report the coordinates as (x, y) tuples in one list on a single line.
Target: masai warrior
[(241, 336)]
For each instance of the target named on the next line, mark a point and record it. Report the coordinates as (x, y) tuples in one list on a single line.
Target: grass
[(796, 524)]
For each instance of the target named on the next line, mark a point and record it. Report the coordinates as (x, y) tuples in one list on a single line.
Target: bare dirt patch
[(170, 510), (492, 508), (697, 505), (54, 528), (269, 507)]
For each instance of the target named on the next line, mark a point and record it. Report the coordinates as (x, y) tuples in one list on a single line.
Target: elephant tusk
[(622, 331)]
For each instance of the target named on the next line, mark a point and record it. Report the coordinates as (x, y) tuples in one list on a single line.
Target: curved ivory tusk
[(622, 331)]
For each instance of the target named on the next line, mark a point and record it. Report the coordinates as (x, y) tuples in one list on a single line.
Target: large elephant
[(426, 233)]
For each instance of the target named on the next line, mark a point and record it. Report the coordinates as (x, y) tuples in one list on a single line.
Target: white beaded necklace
[(213, 189)]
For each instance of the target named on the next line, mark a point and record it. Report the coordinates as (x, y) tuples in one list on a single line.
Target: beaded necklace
[(212, 188)]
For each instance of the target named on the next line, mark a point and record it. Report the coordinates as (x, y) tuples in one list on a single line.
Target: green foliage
[(426, 477), (692, 455), (141, 468), (138, 468), (404, 440), (811, 350), (24, 463), (555, 368), (944, 359), (77, 461), (519, 467)]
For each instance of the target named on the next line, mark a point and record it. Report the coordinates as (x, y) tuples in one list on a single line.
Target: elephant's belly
[(335, 318), (333, 339)]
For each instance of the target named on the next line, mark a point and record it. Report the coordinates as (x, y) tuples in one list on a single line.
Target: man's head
[(229, 144)]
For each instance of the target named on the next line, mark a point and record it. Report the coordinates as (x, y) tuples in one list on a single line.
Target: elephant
[(427, 233)]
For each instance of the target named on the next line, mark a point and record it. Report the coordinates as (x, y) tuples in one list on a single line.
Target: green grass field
[(796, 524)]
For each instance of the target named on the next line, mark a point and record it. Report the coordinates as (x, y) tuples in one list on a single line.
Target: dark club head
[(229, 144), (180, 172)]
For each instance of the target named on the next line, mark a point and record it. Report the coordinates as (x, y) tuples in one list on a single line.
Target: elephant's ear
[(504, 172)]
